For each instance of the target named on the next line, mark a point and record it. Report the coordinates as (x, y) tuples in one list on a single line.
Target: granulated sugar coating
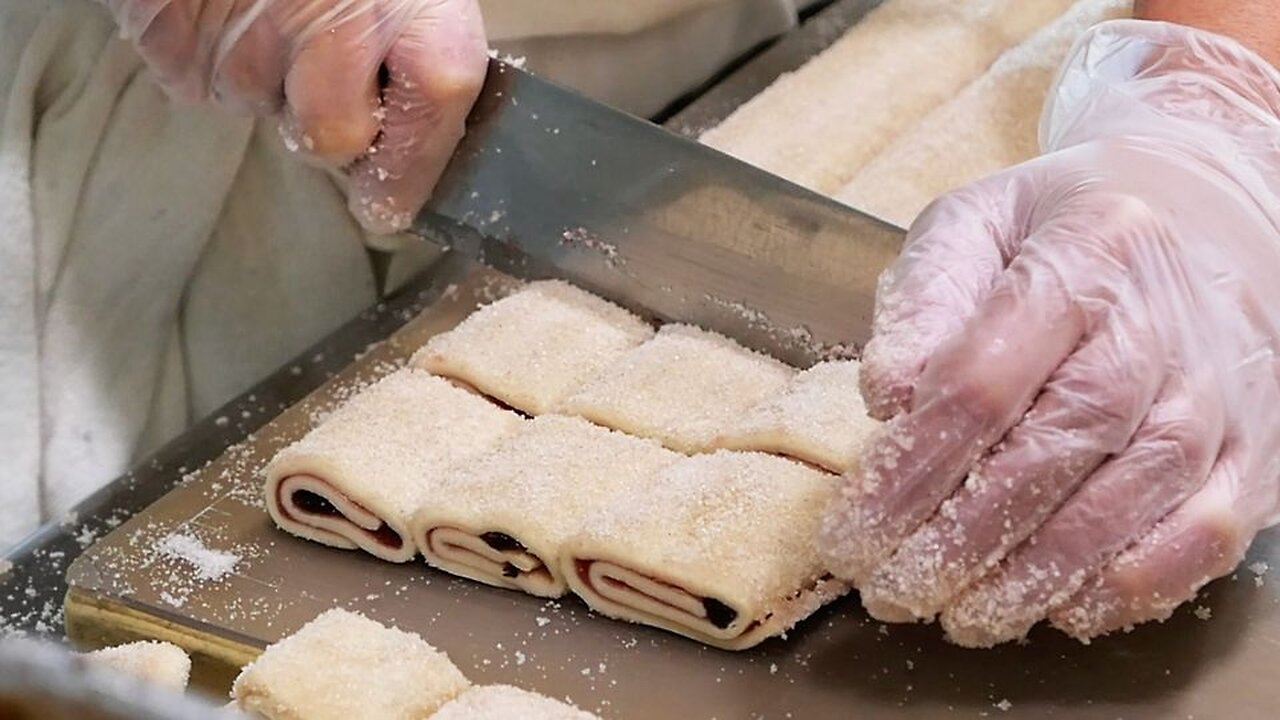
[(819, 125), (375, 460), (683, 388), (344, 666), (536, 488), (533, 348), (992, 124), (503, 702), (728, 536), (161, 663), (820, 418)]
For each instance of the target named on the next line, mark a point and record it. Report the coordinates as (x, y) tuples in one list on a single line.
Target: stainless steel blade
[(548, 183)]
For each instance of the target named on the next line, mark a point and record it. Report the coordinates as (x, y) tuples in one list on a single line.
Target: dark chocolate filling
[(502, 542), (386, 536), (718, 613), (309, 502), (509, 570), (315, 504)]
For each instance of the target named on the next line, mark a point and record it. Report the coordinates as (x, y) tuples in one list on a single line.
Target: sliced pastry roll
[(344, 666), (160, 663), (719, 548), (683, 388), (504, 519), (534, 347), (504, 702), (355, 481), (820, 418)]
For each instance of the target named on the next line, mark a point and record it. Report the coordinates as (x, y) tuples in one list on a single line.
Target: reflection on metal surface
[(550, 184)]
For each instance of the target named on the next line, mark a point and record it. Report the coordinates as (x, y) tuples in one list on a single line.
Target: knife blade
[(548, 183)]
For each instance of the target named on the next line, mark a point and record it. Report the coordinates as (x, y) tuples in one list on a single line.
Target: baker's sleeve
[(108, 194)]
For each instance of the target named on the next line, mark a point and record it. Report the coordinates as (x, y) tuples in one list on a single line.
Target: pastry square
[(344, 666), (160, 663), (356, 480), (504, 702), (819, 418), (683, 388), (533, 348), (503, 519), (720, 548)]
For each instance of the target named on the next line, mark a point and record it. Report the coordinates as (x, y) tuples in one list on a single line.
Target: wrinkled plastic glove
[(1078, 358), (378, 87)]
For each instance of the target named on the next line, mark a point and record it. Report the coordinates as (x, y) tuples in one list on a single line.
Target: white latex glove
[(381, 88), (1079, 358)]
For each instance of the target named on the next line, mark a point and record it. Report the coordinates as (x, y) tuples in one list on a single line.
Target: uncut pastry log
[(683, 388), (819, 125), (344, 666), (504, 518), (356, 480), (504, 702), (993, 124), (718, 548), (819, 418), (536, 346)]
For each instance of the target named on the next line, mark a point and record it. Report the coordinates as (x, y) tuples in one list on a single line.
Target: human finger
[(331, 88), (436, 68), (1169, 459), (1087, 411)]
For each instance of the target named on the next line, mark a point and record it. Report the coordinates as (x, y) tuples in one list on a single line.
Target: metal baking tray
[(837, 664)]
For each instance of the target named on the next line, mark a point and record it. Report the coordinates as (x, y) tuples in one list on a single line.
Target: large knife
[(550, 184)]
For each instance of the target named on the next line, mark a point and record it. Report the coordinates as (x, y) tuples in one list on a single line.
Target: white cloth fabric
[(155, 259), (641, 69)]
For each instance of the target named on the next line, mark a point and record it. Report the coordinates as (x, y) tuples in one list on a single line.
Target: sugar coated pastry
[(822, 123), (344, 666), (992, 124), (820, 418), (356, 480), (504, 518), (534, 347), (161, 663), (684, 388), (503, 702), (719, 548)]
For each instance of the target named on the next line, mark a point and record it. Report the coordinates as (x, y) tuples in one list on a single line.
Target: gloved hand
[(379, 87), (1078, 357)]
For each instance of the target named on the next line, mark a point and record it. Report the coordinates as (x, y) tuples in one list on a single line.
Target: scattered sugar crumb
[(516, 62), (209, 564), (1204, 613), (1004, 705)]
